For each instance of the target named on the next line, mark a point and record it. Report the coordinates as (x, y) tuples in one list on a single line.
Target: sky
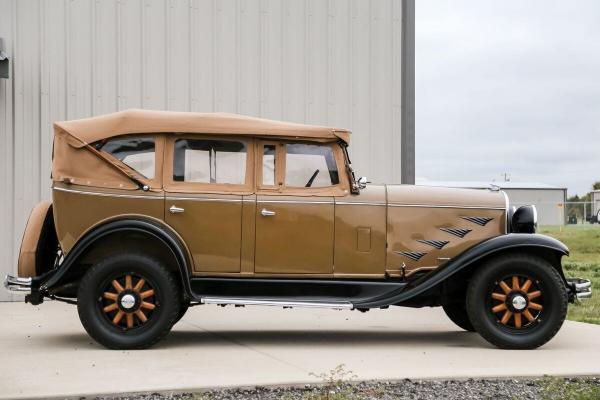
[(508, 87)]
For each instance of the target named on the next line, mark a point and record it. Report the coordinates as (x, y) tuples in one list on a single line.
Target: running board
[(277, 302)]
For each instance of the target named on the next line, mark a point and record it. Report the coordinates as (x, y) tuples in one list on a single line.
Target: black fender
[(511, 241), (138, 225)]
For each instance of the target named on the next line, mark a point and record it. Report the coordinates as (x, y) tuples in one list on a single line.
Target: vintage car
[(153, 212)]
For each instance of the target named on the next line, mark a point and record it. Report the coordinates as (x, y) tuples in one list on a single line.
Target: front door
[(295, 209), (204, 181)]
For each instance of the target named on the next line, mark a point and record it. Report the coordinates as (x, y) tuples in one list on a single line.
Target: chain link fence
[(581, 212)]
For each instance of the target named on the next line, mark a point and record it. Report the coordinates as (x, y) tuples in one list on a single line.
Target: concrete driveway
[(46, 353)]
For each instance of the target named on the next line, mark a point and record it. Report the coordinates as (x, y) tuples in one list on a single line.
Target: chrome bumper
[(581, 288), (16, 284)]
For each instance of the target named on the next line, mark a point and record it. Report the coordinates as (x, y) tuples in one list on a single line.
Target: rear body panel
[(79, 209)]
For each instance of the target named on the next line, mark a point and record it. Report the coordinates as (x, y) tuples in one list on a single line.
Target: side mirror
[(362, 182)]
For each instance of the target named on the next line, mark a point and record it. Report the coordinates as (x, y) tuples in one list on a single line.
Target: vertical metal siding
[(334, 62)]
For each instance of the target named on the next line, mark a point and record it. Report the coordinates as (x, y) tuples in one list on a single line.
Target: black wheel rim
[(516, 302), (128, 301)]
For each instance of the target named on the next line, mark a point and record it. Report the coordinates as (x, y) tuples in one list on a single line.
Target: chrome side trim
[(223, 200), (129, 196), (413, 255), (294, 202), (446, 206), (481, 221), (461, 233), (280, 303), (358, 203), (438, 244)]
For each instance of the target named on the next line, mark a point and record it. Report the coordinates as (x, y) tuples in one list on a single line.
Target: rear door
[(205, 180)]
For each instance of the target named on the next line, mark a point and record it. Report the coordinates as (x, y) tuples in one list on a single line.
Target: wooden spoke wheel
[(517, 302), (128, 301)]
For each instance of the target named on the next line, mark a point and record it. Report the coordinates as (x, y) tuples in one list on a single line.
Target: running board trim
[(280, 303)]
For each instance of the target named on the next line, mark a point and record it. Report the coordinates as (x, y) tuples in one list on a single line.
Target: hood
[(446, 197)]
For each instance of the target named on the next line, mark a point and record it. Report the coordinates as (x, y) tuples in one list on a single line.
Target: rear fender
[(129, 225), (39, 245)]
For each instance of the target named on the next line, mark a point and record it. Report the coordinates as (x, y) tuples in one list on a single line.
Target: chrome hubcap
[(127, 301), (519, 303)]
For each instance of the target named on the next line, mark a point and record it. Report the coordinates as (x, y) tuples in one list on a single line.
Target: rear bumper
[(579, 288), (16, 284)]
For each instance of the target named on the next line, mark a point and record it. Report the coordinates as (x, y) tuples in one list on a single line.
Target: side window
[(310, 165), (136, 153), (210, 161)]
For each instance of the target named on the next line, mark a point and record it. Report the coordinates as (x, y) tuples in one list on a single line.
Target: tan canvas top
[(90, 130), (76, 161)]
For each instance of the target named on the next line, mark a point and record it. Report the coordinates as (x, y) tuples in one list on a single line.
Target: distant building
[(595, 202), (549, 200)]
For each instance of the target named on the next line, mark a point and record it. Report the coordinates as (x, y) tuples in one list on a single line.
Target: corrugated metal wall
[(334, 62)]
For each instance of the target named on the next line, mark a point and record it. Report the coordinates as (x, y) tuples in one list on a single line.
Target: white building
[(595, 202), (347, 63), (549, 200)]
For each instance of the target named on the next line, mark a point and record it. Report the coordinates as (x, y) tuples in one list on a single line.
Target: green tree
[(596, 185)]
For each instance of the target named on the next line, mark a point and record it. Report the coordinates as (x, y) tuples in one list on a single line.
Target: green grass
[(568, 389), (584, 262)]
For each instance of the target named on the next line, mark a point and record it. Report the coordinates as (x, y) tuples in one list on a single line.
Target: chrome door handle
[(176, 210), (266, 213)]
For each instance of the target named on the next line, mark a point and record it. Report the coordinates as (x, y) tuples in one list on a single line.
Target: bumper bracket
[(579, 288)]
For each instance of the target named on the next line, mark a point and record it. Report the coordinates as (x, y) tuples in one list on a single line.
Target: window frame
[(339, 189), (172, 185), (155, 183)]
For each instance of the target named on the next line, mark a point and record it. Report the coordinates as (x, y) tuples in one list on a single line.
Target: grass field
[(584, 262)]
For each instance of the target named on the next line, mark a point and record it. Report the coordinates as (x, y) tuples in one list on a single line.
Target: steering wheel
[(312, 179)]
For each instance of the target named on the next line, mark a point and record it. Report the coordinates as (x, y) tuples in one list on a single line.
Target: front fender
[(511, 241)]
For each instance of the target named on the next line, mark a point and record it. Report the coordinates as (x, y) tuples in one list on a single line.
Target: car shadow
[(323, 338), (291, 338)]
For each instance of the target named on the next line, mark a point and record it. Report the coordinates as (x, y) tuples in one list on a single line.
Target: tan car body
[(333, 232), (153, 212)]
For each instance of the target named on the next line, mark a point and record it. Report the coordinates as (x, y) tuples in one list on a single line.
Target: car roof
[(135, 121)]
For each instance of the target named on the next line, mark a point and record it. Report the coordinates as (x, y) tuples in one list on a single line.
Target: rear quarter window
[(136, 153)]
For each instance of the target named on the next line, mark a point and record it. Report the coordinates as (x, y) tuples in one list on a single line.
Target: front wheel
[(128, 301), (457, 313), (517, 301)]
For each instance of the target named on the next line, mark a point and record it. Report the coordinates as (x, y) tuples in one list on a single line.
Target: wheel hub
[(128, 301), (519, 302)]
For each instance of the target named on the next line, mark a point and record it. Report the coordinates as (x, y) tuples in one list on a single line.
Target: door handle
[(176, 210), (266, 213)]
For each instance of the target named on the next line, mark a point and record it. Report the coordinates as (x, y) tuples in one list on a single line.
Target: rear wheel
[(517, 301), (128, 301), (457, 312)]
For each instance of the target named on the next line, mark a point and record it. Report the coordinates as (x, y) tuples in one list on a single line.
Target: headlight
[(524, 220)]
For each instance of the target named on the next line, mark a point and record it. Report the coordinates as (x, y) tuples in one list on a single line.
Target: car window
[(136, 153), (210, 161), (268, 165), (310, 165)]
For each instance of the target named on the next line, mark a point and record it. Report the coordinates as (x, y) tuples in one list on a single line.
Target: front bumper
[(16, 284), (579, 288)]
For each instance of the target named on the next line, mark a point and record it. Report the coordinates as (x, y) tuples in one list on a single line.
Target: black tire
[(185, 305), (457, 312), (545, 284), (95, 296)]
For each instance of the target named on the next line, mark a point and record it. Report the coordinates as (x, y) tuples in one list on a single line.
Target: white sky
[(508, 86)]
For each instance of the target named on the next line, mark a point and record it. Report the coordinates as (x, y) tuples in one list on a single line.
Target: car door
[(205, 180), (295, 208)]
